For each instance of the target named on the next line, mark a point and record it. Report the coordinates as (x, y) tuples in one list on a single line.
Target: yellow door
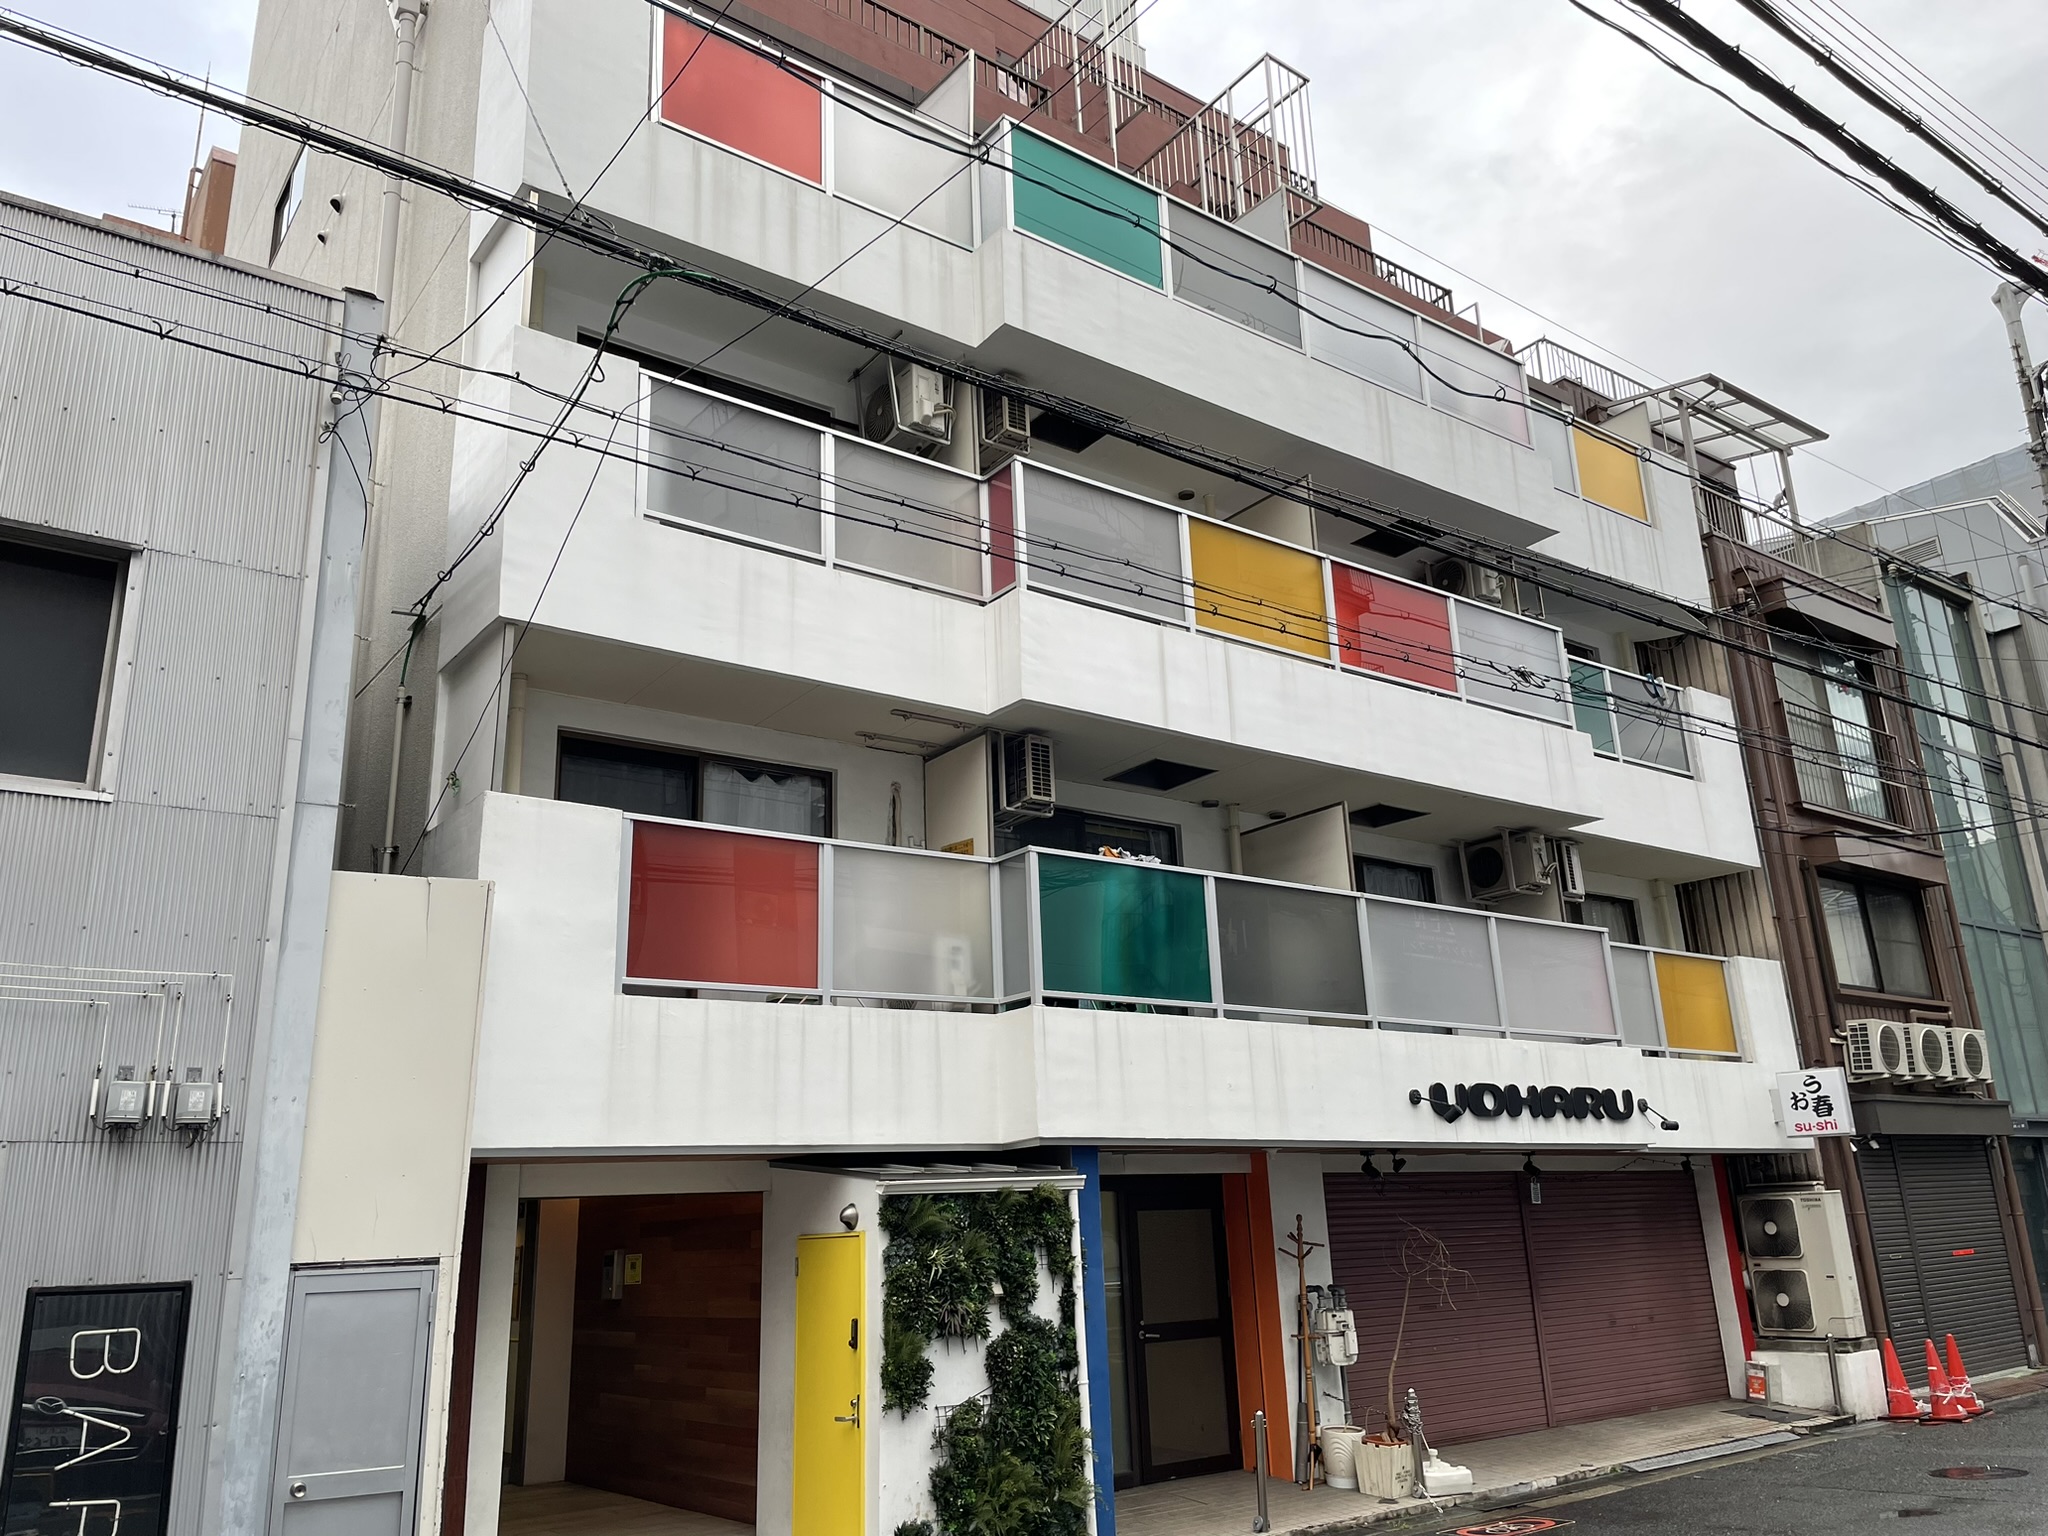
[(831, 1378)]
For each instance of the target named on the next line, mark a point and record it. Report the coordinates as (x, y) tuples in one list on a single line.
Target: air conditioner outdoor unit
[(1506, 864), (1462, 578), (1969, 1055), (1005, 428), (1801, 1276), (1927, 1053), (1027, 777), (908, 405), (1568, 868), (1876, 1048)]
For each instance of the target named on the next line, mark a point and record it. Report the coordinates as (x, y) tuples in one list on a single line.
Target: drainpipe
[(405, 15), (1233, 830)]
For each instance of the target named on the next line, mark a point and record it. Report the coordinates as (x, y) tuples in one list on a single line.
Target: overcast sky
[(1560, 170)]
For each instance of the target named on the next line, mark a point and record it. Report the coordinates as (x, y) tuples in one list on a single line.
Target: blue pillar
[(1095, 1339)]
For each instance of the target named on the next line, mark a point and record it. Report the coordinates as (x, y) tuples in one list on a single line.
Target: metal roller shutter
[(1475, 1362), (1619, 1319), (1941, 1253), (1624, 1300)]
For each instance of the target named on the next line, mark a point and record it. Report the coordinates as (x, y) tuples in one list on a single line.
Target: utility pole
[(2009, 298)]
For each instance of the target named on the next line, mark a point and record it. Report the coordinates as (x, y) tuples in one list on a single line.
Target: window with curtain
[(1385, 877), (658, 781), (1875, 937), (1835, 732), (1617, 914)]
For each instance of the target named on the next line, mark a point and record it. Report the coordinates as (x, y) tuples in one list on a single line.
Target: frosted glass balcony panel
[(1555, 978), (1635, 986), (722, 908), (728, 467), (902, 923), (1511, 662), (1285, 948), (1094, 543), (1432, 965), (903, 166), (906, 517)]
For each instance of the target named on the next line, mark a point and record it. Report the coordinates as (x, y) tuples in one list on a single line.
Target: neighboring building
[(179, 536), (1958, 562), (1857, 899), (891, 791)]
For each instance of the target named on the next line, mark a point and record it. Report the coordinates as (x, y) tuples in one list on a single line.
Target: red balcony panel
[(1394, 629), (735, 96), (722, 908), (1002, 532)]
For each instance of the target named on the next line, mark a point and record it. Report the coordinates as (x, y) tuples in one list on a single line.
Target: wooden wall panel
[(664, 1389)]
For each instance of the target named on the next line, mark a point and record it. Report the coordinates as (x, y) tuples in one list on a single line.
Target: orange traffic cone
[(1943, 1405), (1959, 1379), (1899, 1401)]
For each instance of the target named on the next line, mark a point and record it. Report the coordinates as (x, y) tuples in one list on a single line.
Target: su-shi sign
[(1815, 1102)]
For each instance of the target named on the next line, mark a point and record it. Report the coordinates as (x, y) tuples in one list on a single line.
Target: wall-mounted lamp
[(1535, 1177), (849, 1216), (1664, 1121)]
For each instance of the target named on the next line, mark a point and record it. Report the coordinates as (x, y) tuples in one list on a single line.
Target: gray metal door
[(355, 1391)]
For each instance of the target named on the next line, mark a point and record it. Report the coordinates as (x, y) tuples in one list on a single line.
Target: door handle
[(852, 1418), (298, 1490), (1150, 1335)]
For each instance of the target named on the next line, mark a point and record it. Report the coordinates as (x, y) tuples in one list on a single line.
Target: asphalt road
[(1859, 1479)]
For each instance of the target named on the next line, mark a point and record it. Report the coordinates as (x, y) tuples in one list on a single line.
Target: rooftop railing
[(726, 912)]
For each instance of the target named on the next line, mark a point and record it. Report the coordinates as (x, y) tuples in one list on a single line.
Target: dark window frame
[(1916, 897), (1632, 909), (1008, 839), (1360, 862), (117, 559), (699, 760)]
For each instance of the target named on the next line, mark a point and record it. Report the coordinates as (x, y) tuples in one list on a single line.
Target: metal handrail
[(1555, 363), (1846, 767)]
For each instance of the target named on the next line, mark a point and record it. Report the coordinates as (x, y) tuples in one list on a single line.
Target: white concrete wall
[(587, 70), (386, 1162), (778, 622), (568, 1063)]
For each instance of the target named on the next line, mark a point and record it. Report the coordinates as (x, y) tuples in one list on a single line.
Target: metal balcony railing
[(1845, 766), (1555, 363), (736, 913)]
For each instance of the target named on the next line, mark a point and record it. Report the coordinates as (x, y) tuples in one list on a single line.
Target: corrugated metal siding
[(1941, 1254), (1729, 915), (1624, 1300), (1474, 1362), (197, 684), (1618, 1317), (115, 433), (204, 463), (88, 1214)]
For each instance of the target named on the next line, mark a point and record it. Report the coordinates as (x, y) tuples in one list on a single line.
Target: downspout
[(405, 17), (244, 1432)]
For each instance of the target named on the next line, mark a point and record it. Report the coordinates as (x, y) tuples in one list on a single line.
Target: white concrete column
[(550, 1350), (495, 1263)]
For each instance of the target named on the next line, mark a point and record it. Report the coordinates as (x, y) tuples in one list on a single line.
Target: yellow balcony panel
[(1609, 475), (1257, 590), (1694, 991)]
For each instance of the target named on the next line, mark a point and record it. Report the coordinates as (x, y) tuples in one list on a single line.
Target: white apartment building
[(896, 794)]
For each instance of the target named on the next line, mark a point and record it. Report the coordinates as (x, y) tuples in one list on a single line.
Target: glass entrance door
[(1178, 1367)]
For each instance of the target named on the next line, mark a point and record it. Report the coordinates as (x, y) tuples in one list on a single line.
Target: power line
[(1872, 94), (1737, 64), (1492, 674)]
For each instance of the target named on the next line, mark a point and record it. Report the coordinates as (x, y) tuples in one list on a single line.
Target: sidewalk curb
[(1482, 1500)]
